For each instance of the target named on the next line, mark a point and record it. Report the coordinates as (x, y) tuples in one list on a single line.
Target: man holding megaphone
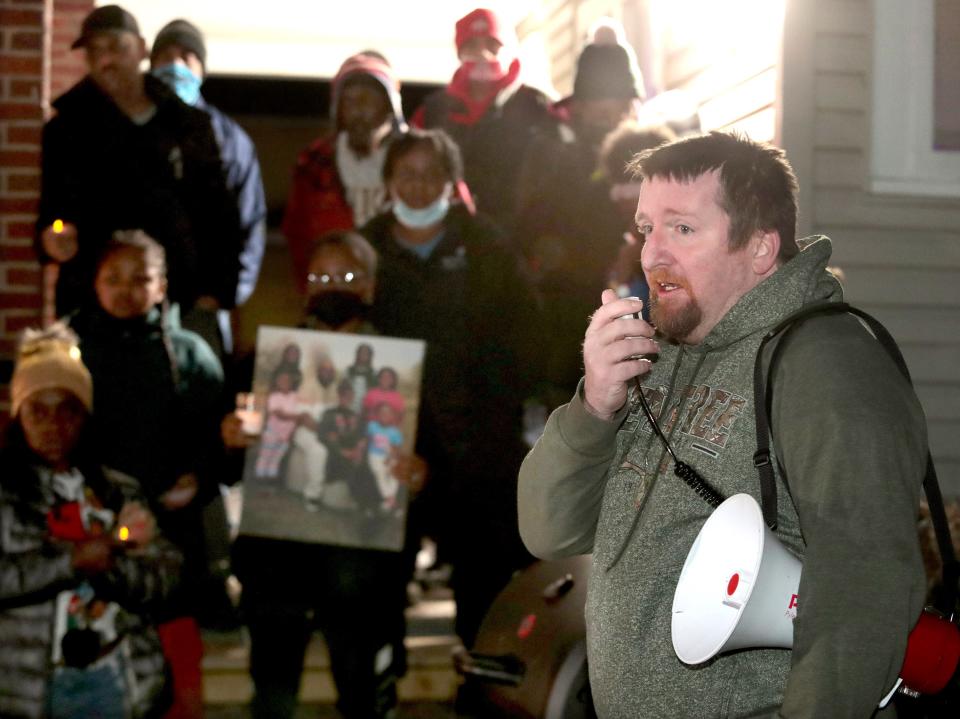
[(663, 426)]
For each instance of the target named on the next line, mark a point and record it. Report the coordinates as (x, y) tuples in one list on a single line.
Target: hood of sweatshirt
[(800, 281)]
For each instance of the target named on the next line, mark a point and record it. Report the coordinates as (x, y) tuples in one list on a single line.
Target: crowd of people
[(445, 230), (488, 227)]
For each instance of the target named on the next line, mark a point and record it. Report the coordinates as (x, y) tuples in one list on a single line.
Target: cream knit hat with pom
[(47, 359)]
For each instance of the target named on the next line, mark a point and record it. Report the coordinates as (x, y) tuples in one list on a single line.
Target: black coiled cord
[(697, 483), (680, 468)]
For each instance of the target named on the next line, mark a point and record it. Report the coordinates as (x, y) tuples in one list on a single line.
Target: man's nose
[(653, 253), (105, 59)]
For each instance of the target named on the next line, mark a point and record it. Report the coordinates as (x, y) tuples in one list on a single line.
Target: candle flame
[(58, 226), (124, 534)]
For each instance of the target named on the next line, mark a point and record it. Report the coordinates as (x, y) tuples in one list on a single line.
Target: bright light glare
[(747, 23), (726, 59), (293, 38)]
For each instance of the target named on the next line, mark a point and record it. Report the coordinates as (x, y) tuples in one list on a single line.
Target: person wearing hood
[(355, 597), (179, 58), (337, 181), (123, 151), (489, 112), (718, 215)]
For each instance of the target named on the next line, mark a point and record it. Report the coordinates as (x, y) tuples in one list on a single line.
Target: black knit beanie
[(604, 72), (182, 33)]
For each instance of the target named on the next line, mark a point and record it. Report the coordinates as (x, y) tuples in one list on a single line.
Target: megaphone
[(739, 588)]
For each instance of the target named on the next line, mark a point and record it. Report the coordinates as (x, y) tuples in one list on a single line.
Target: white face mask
[(428, 216), (485, 70)]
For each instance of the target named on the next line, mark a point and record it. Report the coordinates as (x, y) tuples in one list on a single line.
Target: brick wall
[(66, 65), (36, 64)]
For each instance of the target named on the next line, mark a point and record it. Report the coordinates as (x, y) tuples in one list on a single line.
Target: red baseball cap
[(482, 23)]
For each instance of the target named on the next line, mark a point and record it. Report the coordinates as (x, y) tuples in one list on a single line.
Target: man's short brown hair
[(758, 189)]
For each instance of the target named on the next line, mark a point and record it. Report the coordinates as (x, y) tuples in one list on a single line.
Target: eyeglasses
[(347, 278)]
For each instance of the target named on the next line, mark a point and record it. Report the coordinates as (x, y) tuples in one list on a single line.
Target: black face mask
[(337, 307)]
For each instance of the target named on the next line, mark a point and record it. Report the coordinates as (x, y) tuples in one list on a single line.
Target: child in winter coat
[(158, 393), (83, 568)]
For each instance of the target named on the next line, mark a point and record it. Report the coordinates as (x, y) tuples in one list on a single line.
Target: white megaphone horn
[(738, 588)]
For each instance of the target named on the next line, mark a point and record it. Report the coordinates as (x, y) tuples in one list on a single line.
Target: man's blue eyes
[(648, 228)]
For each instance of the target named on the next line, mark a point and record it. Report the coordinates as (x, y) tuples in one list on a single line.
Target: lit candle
[(123, 534), (58, 226)]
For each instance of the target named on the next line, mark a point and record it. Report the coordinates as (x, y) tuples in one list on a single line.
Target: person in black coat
[(354, 595), (446, 277), (179, 58), (124, 152)]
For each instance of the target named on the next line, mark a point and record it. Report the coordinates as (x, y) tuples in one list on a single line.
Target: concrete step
[(430, 675)]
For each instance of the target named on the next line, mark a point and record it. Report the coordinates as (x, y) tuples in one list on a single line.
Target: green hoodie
[(851, 435)]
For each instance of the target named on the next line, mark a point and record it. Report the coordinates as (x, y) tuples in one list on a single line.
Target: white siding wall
[(900, 255)]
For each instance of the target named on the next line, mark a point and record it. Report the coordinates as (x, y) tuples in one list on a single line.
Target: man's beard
[(676, 323)]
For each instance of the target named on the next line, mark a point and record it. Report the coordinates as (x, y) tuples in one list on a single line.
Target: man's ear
[(766, 249)]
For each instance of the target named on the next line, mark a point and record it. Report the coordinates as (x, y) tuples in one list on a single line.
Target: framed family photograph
[(334, 415)]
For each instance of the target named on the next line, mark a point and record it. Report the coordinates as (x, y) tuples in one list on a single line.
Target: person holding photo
[(356, 597)]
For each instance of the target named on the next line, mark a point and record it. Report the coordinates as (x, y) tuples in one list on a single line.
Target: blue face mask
[(181, 80), (427, 216)]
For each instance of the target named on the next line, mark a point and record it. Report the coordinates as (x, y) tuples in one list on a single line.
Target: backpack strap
[(762, 461)]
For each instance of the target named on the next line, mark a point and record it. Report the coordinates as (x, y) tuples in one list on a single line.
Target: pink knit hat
[(376, 66)]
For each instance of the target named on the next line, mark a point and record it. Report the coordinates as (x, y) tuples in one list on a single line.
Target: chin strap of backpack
[(946, 601)]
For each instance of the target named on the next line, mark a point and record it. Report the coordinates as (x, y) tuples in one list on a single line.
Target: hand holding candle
[(135, 525), (59, 240), (249, 414)]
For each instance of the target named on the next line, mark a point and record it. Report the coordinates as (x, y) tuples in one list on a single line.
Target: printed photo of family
[(334, 415)]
